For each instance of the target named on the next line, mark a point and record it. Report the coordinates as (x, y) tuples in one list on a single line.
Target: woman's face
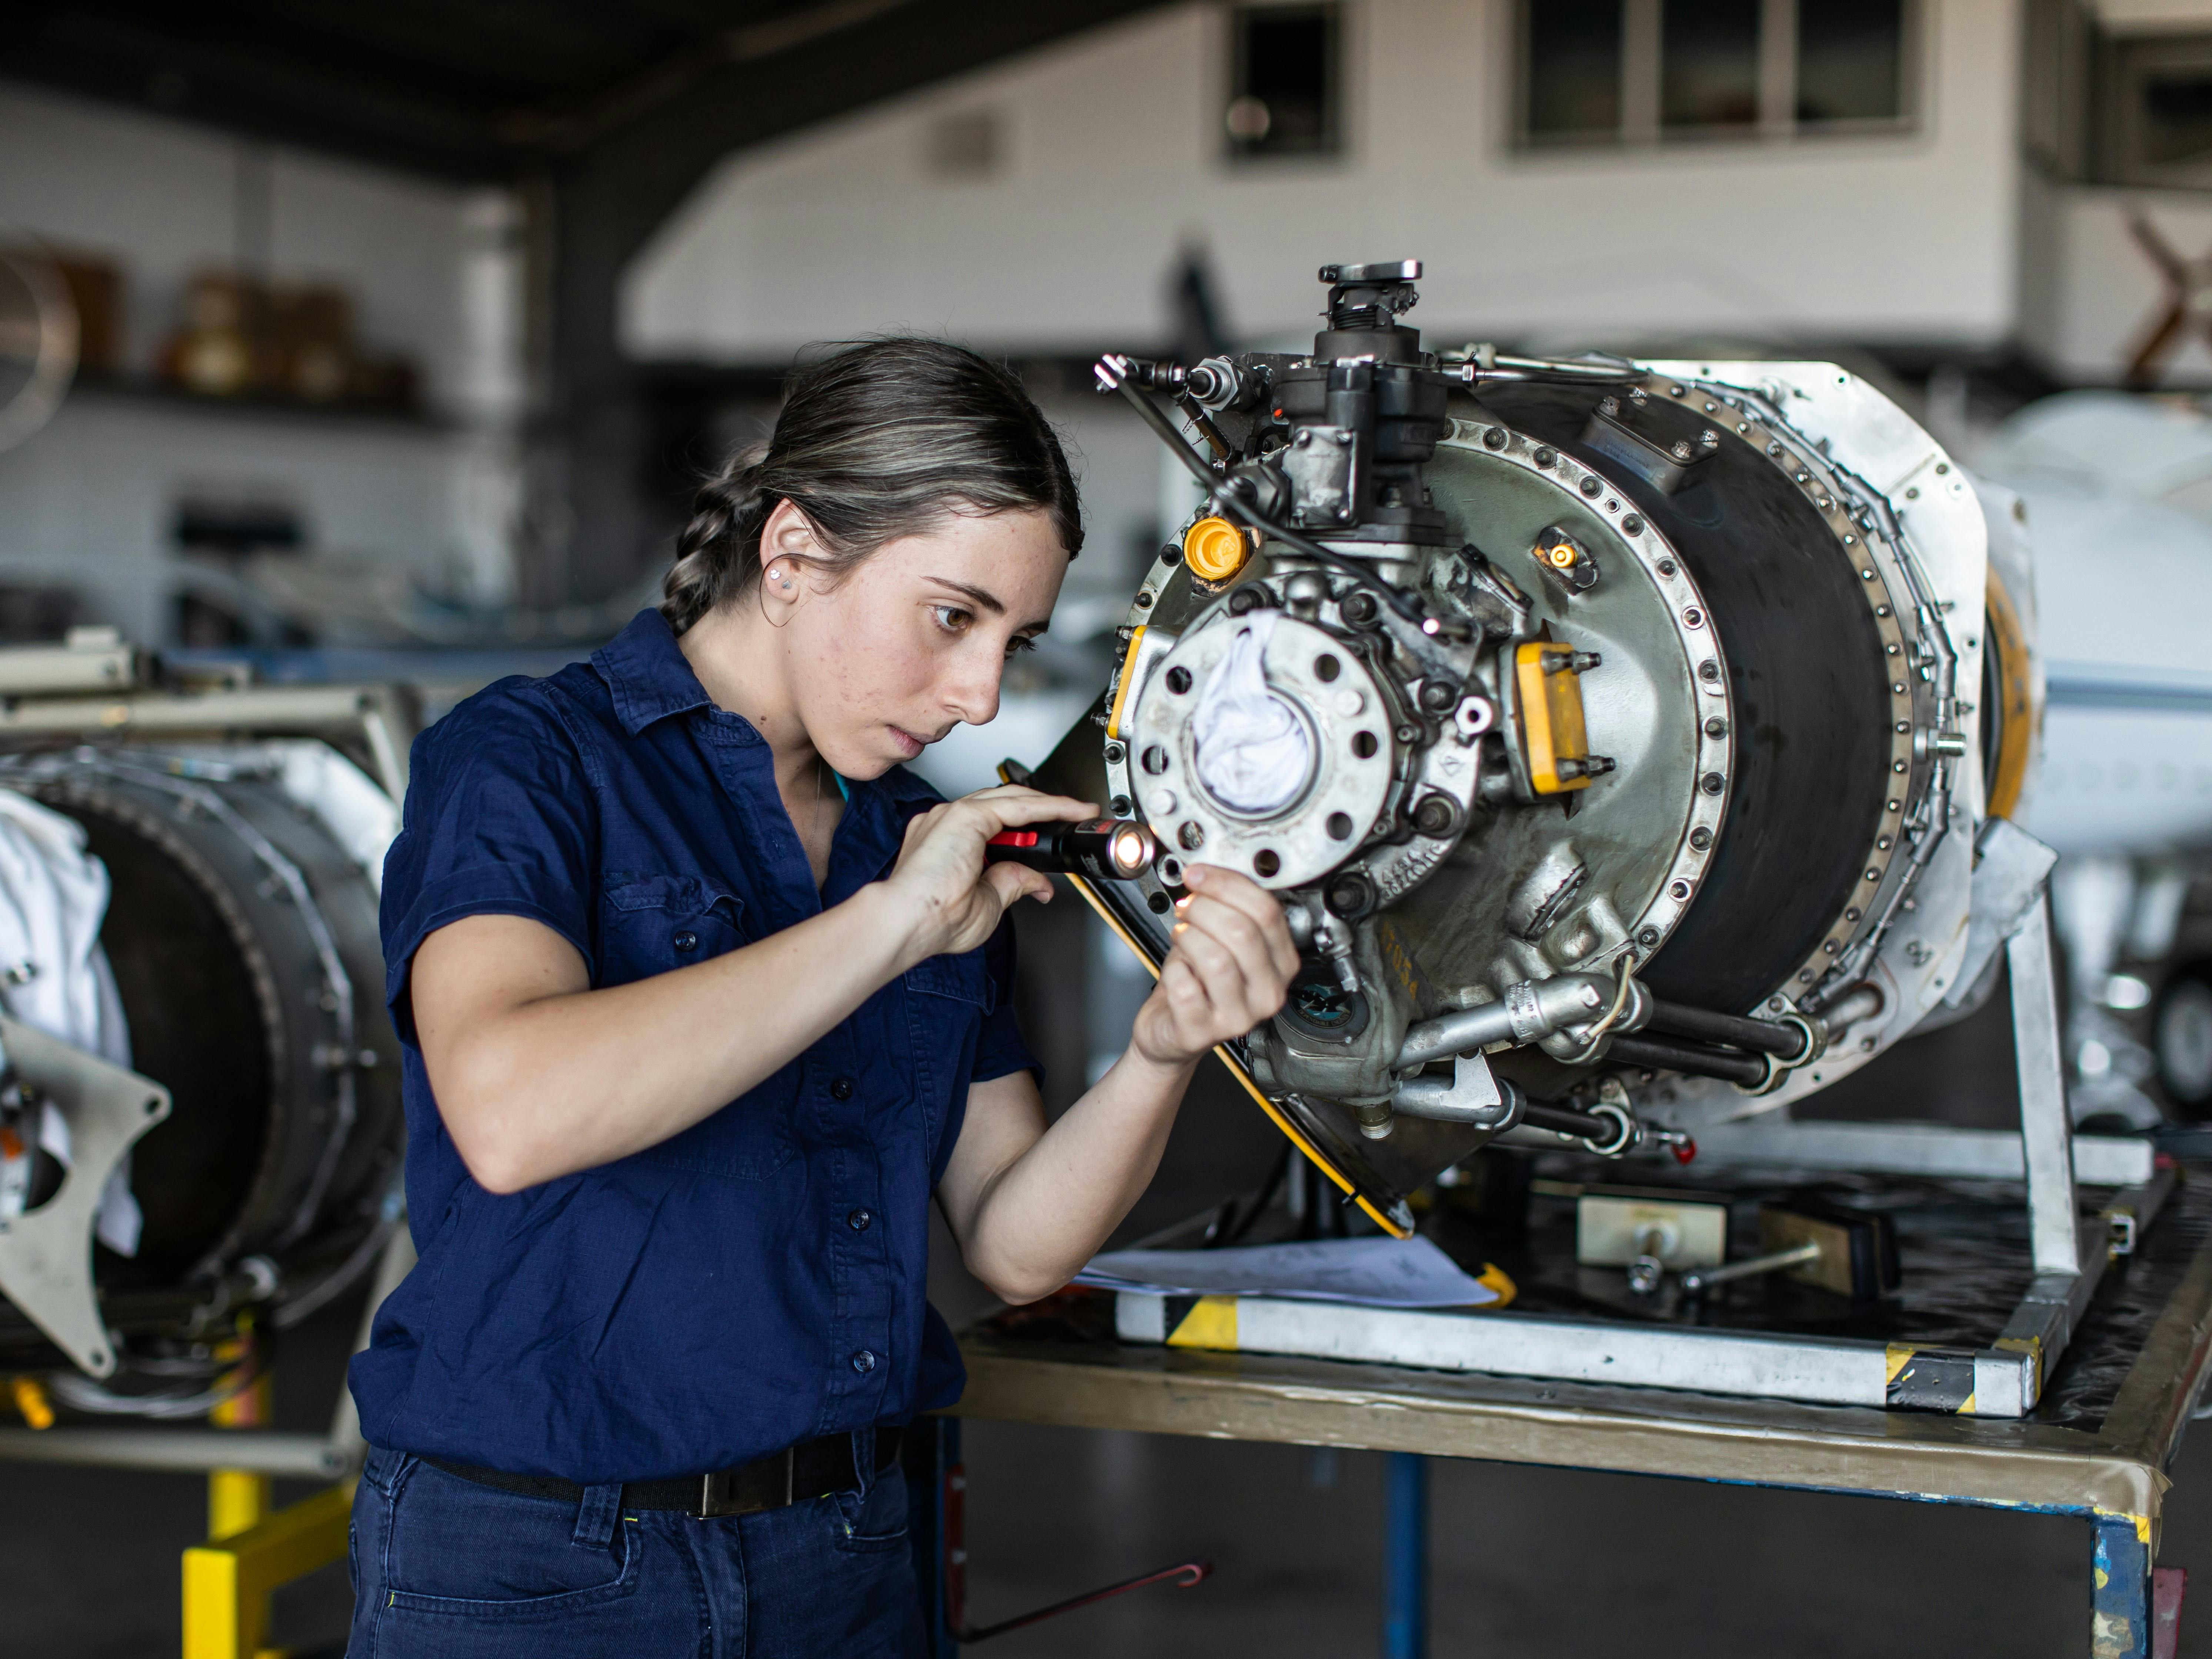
[(914, 640)]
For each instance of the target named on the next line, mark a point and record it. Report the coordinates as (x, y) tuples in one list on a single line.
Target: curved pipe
[(1528, 1013)]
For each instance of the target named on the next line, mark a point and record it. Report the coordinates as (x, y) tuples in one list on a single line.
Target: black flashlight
[(1104, 849)]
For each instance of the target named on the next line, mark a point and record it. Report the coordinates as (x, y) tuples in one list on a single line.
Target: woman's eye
[(951, 618), (1019, 643)]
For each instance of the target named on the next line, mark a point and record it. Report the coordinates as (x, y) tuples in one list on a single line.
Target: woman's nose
[(973, 691)]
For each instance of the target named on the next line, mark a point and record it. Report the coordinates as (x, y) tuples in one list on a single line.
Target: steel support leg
[(2046, 1132), (931, 1458), (2120, 1589), (1405, 1556)]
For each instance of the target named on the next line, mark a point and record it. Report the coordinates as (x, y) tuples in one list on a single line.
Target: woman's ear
[(787, 540)]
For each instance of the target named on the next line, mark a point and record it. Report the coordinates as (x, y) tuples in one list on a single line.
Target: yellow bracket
[(1551, 729), (228, 1581), (2019, 710), (1121, 688)]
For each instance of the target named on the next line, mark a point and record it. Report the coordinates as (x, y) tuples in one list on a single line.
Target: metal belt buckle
[(724, 1492)]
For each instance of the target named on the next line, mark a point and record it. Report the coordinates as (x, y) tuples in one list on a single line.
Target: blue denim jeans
[(446, 1569)]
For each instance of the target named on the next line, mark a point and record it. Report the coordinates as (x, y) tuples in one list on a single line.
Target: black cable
[(1111, 374), (1267, 1195), (1786, 1042), (1691, 1059), (1566, 1120)]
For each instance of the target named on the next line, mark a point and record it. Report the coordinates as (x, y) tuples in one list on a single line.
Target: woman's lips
[(909, 745)]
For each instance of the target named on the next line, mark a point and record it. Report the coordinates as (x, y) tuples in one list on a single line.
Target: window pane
[(1283, 98), (2177, 115), (1709, 63), (1851, 60), (1574, 67)]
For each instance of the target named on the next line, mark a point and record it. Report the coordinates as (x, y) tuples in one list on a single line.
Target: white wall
[(161, 198), (91, 500), (1114, 163), (2091, 293), (2152, 17)]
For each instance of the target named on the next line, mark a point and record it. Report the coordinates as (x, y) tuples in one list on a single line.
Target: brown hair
[(879, 440)]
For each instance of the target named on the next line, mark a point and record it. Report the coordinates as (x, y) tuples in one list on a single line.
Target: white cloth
[(54, 977), (1251, 749)]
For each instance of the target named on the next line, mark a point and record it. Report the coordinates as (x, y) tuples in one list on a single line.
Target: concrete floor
[(1526, 1562)]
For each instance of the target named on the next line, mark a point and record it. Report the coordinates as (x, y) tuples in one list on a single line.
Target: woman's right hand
[(953, 898)]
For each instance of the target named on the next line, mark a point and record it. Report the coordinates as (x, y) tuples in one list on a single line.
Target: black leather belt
[(813, 1468)]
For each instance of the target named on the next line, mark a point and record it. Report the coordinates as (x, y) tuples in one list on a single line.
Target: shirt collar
[(648, 674), (650, 678)]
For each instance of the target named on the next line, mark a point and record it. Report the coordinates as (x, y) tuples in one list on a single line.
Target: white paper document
[(1374, 1273)]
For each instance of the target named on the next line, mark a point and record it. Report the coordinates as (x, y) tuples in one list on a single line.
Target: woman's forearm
[(534, 1086), (1048, 1210)]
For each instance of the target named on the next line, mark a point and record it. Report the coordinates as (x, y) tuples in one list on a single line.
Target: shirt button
[(687, 940), (863, 1361), (841, 1088), (858, 1220)]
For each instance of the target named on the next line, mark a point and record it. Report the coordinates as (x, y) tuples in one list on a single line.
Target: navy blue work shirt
[(757, 1280)]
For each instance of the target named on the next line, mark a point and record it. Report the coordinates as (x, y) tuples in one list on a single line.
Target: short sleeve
[(499, 820), (1000, 1050)]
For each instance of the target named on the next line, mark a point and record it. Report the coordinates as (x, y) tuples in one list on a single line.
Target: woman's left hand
[(1230, 968)]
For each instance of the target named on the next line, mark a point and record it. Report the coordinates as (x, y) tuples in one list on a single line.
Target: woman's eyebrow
[(987, 600), (983, 597)]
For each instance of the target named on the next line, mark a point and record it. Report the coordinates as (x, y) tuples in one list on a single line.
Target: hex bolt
[(1494, 438), (1436, 816), (1712, 783), (1717, 727), (1437, 696), (1701, 838)]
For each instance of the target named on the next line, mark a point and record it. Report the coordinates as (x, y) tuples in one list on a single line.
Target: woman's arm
[(1030, 1205), (536, 1075)]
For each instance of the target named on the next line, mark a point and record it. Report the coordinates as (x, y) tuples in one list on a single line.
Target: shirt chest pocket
[(654, 924), (650, 924)]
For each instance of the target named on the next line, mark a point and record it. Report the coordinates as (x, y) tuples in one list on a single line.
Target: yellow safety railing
[(249, 1552), (228, 1581)]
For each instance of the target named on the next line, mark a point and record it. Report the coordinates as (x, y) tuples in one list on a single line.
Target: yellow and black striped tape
[(1209, 1321), (1931, 1379)]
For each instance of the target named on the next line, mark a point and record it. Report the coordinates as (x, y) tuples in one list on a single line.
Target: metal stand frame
[(249, 1552), (2004, 1380)]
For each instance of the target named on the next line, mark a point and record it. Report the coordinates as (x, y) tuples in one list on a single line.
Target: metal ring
[(1628, 1132), (1778, 1073), (1816, 1040)]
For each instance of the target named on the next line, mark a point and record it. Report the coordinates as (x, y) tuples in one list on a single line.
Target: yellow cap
[(1215, 550)]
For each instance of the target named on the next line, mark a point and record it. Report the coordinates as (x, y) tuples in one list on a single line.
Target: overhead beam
[(608, 200)]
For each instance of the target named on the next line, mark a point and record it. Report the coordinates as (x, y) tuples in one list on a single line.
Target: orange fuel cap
[(1215, 550)]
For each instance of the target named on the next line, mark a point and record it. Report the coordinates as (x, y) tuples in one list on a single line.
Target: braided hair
[(880, 439)]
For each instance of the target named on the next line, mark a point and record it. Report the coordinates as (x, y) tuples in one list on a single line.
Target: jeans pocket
[(458, 1548), (875, 1519)]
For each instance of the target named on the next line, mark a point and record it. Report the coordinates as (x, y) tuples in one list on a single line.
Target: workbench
[(2097, 1448)]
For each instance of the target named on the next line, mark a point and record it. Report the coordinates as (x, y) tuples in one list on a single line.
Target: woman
[(703, 1000)]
